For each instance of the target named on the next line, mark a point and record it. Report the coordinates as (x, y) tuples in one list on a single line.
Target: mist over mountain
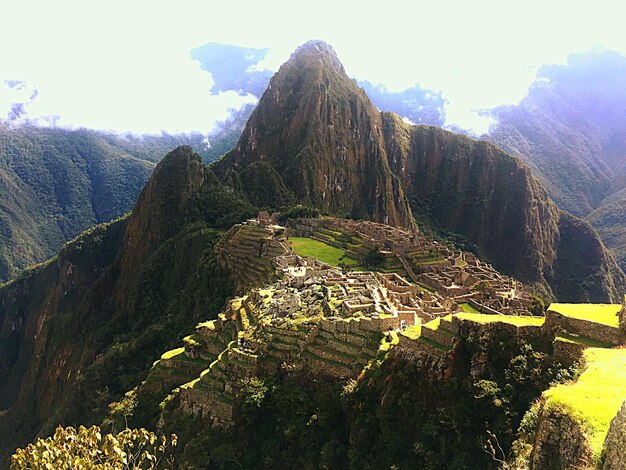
[(571, 130)]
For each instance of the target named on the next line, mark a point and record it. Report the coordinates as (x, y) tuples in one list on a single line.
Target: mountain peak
[(316, 135), (316, 52)]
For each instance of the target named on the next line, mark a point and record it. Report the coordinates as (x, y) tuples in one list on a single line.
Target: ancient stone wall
[(614, 452), (567, 352), (555, 323)]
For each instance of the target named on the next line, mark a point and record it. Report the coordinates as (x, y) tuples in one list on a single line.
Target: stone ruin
[(451, 275)]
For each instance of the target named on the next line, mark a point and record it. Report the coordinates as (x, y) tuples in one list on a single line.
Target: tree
[(374, 259), (86, 448)]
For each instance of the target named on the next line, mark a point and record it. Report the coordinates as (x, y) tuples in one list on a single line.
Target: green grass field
[(599, 313), (590, 342), (511, 319), (325, 253), (597, 395), (468, 308), (412, 332)]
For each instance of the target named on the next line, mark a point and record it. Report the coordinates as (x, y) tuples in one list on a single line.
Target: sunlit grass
[(597, 395), (468, 308), (412, 332), (325, 253), (510, 319), (172, 353), (599, 313)]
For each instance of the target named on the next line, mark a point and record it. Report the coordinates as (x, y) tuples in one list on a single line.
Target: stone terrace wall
[(614, 457), (555, 322)]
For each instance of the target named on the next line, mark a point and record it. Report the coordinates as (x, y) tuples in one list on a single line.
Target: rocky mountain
[(570, 128), (56, 183), (80, 333), (317, 139), (90, 321)]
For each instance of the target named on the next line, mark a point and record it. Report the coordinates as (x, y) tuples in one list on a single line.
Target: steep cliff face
[(323, 137), (584, 270), (42, 317), (473, 188), (160, 208)]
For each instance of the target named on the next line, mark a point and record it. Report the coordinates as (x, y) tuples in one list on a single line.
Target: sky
[(125, 65)]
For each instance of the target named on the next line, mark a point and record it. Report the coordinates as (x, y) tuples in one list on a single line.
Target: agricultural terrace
[(599, 313), (510, 319), (596, 397)]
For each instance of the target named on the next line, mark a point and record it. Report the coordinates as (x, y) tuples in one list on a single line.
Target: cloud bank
[(125, 66)]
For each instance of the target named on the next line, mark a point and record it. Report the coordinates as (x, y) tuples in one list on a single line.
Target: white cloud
[(125, 66)]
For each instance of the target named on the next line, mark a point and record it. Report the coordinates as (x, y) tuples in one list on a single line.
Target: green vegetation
[(511, 319), (599, 313), (374, 259), (299, 212), (589, 342), (327, 254), (412, 332), (56, 183), (468, 308), (71, 448), (594, 399)]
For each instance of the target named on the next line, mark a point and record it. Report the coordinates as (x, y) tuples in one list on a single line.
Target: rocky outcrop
[(614, 454), (315, 138), (560, 442), (584, 271), (160, 207)]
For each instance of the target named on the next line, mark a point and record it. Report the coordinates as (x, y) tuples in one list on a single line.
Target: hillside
[(609, 219), (100, 312), (570, 130), (56, 183)]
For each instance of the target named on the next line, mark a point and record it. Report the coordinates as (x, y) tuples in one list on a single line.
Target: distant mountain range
[(571, 130), (56, 183)]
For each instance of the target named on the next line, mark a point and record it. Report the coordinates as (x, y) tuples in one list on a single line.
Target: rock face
[(560, 442), (473, 188), (160, 207), (615, 443), (323, 139), (112, 299)]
